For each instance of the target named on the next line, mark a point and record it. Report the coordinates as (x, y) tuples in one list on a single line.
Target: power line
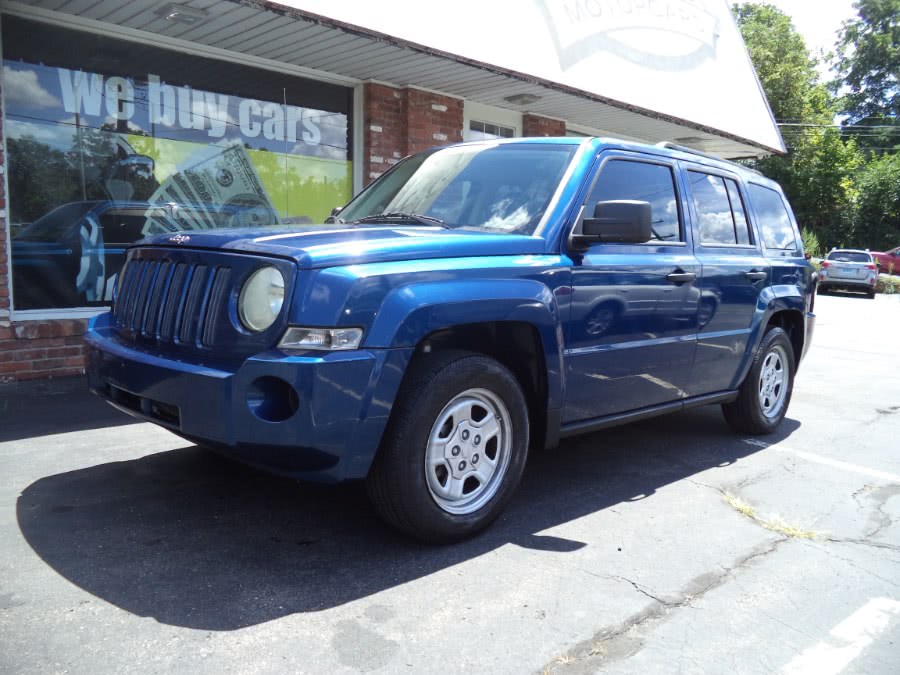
[(839, 126)]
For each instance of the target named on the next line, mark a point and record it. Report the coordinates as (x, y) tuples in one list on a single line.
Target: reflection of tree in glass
[(40, 179)]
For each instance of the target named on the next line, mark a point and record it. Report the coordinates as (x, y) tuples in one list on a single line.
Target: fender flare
[(410, 313), (772, 300)]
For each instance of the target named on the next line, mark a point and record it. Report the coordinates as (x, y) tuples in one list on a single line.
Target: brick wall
[(432, 120), (399, 122), (535, 125), (32, 349), (35, 349)]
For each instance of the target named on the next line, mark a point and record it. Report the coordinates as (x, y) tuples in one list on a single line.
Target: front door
[(632, 330)]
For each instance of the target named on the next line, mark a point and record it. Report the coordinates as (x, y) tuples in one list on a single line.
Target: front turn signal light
[(297, 338)]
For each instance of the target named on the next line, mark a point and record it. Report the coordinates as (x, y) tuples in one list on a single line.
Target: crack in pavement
[(881, 496), (854, 564), (616, 642), (863, 542)]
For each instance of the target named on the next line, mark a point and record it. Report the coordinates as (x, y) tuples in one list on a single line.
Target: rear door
[(632, 330), (734, 271)]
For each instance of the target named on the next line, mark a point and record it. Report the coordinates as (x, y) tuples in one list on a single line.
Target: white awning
[(657, 70)]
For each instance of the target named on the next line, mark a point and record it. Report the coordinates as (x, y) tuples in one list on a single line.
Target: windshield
[(497, 187), (53, 225), (850, 256)]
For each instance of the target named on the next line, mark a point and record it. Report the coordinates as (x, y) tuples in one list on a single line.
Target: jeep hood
[(314, 246)]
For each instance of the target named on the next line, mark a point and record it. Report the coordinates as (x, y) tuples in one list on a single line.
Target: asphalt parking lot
[(668, 545)]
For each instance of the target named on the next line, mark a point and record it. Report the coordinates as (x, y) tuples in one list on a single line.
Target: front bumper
[(315, 416)]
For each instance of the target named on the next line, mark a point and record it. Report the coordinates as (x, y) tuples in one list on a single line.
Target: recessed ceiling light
[(181, 13), (522, 99)]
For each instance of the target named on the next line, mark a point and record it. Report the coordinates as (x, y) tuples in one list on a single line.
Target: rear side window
[(773, 219), (741, 226), (644, 182), (720, 211)]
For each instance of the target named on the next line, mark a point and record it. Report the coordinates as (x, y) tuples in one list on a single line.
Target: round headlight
[(261, 299)]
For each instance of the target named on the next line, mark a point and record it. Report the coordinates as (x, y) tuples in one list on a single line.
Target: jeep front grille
[(172, 301)]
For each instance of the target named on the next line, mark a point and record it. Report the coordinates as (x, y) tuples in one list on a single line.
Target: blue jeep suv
[(475, 302)]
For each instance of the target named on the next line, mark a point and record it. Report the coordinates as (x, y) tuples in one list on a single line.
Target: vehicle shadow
[(50, 408), (845, 294), (198, 541)]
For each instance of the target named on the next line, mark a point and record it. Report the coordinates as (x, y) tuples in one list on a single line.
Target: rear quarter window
[(775, 226)]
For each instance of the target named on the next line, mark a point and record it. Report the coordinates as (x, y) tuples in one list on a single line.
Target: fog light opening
[(272, 399)]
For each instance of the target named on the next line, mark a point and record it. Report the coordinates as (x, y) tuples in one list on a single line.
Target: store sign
[(170, 106), (681, 28)]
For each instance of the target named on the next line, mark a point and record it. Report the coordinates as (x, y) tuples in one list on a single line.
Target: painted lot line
[(836, 463), (851, 637)]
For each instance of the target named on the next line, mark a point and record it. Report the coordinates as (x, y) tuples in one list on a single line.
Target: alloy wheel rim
[(468, 451), (773, 382)]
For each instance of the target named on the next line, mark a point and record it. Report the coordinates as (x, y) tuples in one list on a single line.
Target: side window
[(741, 226), (772, 218), (713, 206), (640, 181)]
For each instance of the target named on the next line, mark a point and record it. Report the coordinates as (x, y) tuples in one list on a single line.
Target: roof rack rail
[(683, 148)]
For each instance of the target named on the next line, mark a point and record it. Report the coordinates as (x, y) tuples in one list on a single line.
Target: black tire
[(397, 483), (746, 414), (871, 295)]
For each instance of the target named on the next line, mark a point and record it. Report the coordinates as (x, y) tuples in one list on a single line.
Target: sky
[(818, 21)]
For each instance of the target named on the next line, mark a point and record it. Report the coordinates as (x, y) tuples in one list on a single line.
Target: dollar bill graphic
[(221, 190)]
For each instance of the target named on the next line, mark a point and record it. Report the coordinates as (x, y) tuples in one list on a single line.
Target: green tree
[(782, 61), (868, 61), (817, 171), (878, 204)]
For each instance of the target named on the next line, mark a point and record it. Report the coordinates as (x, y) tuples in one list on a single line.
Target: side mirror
[(619, 222), (333, 218)]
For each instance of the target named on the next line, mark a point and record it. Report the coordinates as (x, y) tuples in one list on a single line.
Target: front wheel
[(455, 447), (764, 395)]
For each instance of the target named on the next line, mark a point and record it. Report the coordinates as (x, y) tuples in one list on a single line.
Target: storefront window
[(110, 141), (486, 131)]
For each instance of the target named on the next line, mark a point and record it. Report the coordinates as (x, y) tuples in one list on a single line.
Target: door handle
[(681, 277), (755, 275)]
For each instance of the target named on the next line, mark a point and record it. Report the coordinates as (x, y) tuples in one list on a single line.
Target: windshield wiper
[(400, 215)]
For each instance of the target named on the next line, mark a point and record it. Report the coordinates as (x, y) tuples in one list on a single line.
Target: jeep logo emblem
[(179, 238)]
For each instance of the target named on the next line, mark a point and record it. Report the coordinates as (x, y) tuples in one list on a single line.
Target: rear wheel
[(764, 396), (454, 450)]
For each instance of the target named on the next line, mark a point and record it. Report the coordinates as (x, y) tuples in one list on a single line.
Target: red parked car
[(888, 262)]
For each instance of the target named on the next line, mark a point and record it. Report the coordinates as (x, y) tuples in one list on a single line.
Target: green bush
[(887, 284), (811, 243)]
